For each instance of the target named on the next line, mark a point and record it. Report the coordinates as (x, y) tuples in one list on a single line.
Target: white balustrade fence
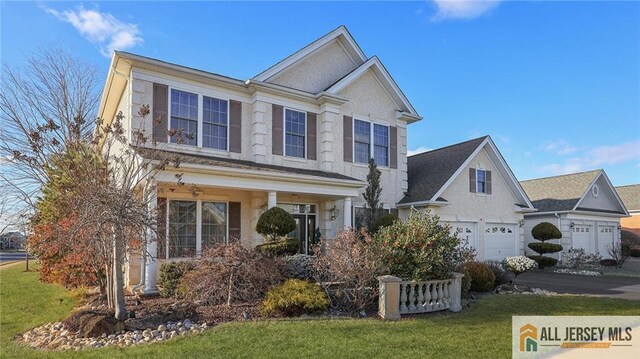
[(399, 297)]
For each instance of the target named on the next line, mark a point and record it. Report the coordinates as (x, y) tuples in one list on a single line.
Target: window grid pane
[(214, 224), (481, 181), (362, 141), (381, 144), (295, 133), (184, 115), (182, 228)]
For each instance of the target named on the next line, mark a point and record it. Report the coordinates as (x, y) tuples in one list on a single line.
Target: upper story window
[(184, 115), (367, 134), (295, 132), (481, 181), (214, 123)]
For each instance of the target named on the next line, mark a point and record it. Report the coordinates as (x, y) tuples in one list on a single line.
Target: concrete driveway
[(613, 287)]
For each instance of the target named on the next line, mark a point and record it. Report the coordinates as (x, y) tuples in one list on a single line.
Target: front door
[(304, 232)]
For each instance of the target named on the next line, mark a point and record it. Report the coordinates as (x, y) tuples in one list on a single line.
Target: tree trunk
[(118, 275), (109, 284), (230, 289)]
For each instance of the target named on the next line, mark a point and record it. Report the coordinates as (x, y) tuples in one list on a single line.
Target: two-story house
[(298, 135)]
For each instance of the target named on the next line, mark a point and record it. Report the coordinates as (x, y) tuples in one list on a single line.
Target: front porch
[(202, 209)]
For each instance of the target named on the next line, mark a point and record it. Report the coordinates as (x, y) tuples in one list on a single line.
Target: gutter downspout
[(143, 272)]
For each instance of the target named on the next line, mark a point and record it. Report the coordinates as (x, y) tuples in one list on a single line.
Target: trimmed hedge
[(542, 247), (295, 297), (544, 261), (608, 263), (384, 221), (545, 231), (286, 247), (274, 223), (634, 252), (170, 275), (482, 277)]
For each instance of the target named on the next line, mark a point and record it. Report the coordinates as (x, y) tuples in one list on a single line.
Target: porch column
[(347, 212), (272, 200), (151, 248)]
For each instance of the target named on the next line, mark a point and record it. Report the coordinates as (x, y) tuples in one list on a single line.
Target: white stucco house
[(298, 135), (470, 186), (584, 206)]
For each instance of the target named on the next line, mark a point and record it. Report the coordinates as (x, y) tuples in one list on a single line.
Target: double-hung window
[(184, 117), (371, 140), (214, 223), (481, 181), (362, 141), (184, 239), (214, 123), (295, 132)]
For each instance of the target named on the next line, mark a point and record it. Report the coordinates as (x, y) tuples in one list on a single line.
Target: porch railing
[(398, 297)]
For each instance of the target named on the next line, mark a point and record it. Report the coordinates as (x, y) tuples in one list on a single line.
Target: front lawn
[(483, 331)]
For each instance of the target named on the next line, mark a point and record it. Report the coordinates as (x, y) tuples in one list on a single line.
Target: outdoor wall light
[(521, 223), (572, 224), (334, 212)]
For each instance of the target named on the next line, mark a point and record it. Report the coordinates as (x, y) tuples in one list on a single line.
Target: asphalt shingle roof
[(429, 171), (199, 159), (559, 193), (630, 196)]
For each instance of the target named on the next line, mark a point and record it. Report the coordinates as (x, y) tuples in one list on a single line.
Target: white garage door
[(466, 231), (500, 241), (582, 238), (605, 239)]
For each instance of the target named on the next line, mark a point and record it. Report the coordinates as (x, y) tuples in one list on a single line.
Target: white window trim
[(371, 143), (198, 225), (478, 169), (284, 133), (200, 125)]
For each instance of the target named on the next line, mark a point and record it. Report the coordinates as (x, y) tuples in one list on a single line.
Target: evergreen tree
[(372, 195)]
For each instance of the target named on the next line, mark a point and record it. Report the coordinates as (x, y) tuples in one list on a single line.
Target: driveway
[(613, 287)]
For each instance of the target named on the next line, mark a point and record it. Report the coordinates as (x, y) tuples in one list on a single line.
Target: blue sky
[(556, 84)]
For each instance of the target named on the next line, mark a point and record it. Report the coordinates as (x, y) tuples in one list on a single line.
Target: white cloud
[(462, 9), (596, 158), (420, 149), (101, 28), (559, 147)]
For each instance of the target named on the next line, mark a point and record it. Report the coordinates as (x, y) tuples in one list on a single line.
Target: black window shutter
[(472, 180)]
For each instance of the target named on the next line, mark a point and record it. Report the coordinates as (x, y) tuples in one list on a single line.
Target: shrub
[(298, 266), (542, 248), (631, 238), (384, 221), (466, 281), (170, 275), (502, 275), (608, 263), (420, 248), (634, 252), (227, 274), (619, 252), (285, 247), (544, 261), (274, 223), (347, 268), (482, 277), (295, 297), (545, 231), (519, 264), (577, 257)]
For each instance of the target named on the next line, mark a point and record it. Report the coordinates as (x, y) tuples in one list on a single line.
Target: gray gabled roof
[(429, 171), (559, 193), (630, 196)]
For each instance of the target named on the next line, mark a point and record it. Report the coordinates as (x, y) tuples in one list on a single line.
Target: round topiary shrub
[(275, 223), (295, 297), (287, 247), (542, 248), (544, 261), (482, 277), (545, 231)]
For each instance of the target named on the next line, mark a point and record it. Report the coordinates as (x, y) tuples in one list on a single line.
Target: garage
[(500, 241), (466, 231), (605, 239), (582, 235)]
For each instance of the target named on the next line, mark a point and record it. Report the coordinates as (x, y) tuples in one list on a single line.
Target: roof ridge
[(627, 185), (449, 146), (564, 175)]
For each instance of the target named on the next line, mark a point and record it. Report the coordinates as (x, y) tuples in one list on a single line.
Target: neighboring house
[(630, 196), (12, 240), (584, 206), (297, 135), (470, 186)]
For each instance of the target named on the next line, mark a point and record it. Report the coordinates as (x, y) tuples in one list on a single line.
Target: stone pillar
[(151, 263), (259, 132), (328, 119), (347, 212), (272, 200), (455, 294), (389, 299)]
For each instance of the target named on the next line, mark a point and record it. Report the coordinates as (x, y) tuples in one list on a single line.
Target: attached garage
[(500, 241), (466, 231), (605, 239), (583, 238)]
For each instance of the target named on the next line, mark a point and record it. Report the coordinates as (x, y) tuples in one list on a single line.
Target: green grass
[(482, 331)]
